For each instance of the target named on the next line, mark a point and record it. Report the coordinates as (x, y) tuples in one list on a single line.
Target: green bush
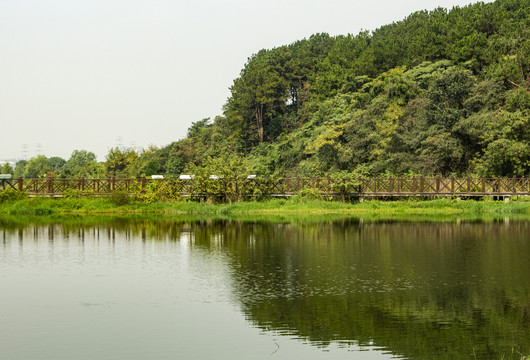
[(221, 179), (310, 193), (160, 191), (120, 198), (76, 194), (11, 195)]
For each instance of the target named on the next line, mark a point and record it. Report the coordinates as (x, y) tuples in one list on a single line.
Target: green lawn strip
[(295, 205)]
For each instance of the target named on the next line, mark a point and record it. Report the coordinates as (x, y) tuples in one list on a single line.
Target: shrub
[(120, 198), (310, 193), (11, 195), (166, 191)]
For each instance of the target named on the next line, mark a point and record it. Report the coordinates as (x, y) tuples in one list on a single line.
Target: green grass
[(295, 205), (515, 357)]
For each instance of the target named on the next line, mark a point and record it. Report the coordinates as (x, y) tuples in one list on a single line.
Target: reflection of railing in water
[(391, 186)]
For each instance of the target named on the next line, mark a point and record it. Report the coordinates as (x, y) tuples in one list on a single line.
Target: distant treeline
[(438, 93)]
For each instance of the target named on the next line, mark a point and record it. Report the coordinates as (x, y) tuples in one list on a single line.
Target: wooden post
[(468, 184), (437, 184), (452, 185), (20, 184), (297, 184), (422, 184), (361, 181)]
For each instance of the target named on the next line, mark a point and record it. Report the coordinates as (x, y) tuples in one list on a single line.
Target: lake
[(323, 287)]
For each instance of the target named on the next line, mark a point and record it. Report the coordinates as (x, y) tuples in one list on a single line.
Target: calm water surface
[(139, 288)]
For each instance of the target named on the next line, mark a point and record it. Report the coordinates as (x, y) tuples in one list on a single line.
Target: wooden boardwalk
[(367, 187)]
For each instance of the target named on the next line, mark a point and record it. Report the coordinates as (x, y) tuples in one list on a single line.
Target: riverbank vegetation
[(442, 92), (12, 202)]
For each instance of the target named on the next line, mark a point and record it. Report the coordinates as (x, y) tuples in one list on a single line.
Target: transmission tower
[(24, 151), (119, 142)]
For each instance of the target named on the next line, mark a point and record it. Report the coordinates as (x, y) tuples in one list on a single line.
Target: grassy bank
[(294, 205)]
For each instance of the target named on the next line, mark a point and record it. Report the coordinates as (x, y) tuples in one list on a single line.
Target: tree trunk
[(259, 120)]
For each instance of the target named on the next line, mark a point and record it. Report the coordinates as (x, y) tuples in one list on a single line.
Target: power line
[(24, 151)]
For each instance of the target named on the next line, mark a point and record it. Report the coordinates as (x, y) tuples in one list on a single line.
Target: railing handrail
[(413, 185)]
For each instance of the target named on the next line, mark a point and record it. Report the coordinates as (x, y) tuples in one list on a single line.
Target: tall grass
[(300, 205)]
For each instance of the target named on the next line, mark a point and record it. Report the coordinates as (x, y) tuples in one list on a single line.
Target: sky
[(94, 74)]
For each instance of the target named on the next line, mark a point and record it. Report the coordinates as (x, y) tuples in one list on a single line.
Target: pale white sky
[(79, 74)]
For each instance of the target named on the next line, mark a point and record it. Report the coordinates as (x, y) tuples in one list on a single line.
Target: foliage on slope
[(441, 92)]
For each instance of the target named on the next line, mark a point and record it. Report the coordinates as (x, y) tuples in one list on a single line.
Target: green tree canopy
[(120, 162), (82, 164), (37, 167)]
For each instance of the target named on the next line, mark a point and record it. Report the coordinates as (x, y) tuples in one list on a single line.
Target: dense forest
[(442, 92)]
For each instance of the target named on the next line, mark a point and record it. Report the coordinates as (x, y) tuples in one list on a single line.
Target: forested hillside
[(439, 93)]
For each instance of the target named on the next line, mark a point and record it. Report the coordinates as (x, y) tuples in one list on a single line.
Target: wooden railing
[(410, 186)]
